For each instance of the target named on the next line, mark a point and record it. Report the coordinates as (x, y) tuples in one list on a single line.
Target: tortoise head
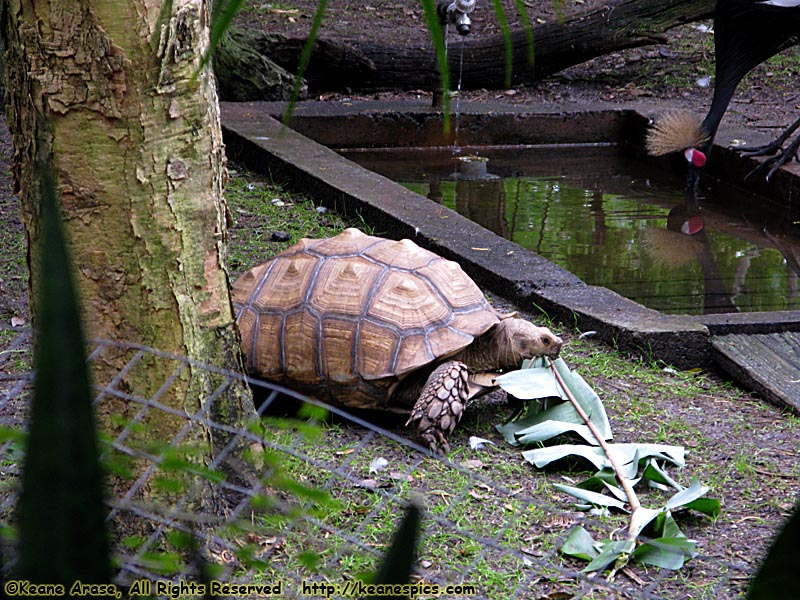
[(526, 340)]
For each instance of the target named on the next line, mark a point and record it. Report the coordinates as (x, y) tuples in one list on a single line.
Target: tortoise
[(372, 323)]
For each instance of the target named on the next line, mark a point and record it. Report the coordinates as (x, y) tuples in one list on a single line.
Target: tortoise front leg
[(441, 404)]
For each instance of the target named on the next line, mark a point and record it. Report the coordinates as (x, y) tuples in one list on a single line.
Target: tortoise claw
[(440, 405)]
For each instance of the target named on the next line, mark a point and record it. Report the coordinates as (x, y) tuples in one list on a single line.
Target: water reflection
[(685, 240), (618, 223)]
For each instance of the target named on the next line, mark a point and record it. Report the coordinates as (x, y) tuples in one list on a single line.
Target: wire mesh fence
[(315, 509)]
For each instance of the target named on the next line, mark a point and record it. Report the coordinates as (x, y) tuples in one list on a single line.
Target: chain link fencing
[(321, 509)]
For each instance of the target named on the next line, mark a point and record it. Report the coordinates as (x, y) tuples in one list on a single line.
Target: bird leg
[(441, 404)]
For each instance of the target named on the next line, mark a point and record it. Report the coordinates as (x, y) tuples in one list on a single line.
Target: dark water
[(617, 222)]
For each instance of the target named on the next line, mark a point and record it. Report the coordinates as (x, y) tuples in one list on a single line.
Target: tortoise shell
[(345, 318)]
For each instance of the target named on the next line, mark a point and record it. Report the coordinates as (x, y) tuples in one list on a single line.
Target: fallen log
[(338, 66)]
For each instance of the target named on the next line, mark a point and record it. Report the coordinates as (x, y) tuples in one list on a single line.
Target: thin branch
[(633, 500)]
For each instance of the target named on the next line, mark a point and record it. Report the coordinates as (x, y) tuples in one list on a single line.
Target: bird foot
[(779, 157)]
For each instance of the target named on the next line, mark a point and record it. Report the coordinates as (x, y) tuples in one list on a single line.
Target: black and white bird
[(746, 33)]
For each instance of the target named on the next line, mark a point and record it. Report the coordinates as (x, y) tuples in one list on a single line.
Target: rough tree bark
[(557, 45), (110, 93)]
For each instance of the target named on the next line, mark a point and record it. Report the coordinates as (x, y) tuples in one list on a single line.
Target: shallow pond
[(616, 222)]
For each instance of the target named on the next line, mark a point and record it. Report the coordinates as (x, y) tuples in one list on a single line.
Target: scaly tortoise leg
[(441, 404)]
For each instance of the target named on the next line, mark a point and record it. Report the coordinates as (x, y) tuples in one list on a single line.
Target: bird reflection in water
[(685, 239)]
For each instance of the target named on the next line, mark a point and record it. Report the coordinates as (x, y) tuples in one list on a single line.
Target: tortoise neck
[(490, 351)]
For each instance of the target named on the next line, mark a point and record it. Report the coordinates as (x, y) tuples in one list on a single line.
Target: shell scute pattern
[(345, 317)]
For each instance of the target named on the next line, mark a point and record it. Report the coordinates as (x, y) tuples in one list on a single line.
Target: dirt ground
[(754, 445)]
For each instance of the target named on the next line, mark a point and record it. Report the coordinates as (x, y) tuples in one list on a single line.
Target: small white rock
[(378, 464), (476, 443)]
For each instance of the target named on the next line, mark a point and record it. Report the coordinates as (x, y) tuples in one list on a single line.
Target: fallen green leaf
[(579, 543), (531, 384), (710, 507), (655, 473), (550, 429), (628, 456), (690, 494), (536, 425), (610, 551), (642, 517), (592, 497), (666, 553)]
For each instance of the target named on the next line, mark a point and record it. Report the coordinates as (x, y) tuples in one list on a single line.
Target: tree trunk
[(556, 46), (109, 92)]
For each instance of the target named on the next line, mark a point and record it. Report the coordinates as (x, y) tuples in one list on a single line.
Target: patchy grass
[(13, 268), (268, 219)]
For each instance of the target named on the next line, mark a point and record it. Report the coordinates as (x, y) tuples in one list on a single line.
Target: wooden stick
[(633, 500)]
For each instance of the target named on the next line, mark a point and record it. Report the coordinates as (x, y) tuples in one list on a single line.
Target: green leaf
[(550, 429), (655, 473), (531, 384), (437, 37), (616, 491), (222, 16), (610, 551), (544, 425), (591, 497), (536, 381), (541, 457), (61, 503), (628, 456), (606, 480), (598, 481), (642, 517), (587, 398), (665, 552), (710, 507), (528, 28), (668, 527), (305, 58), (690, 494), (579, 543), (508, 43)]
